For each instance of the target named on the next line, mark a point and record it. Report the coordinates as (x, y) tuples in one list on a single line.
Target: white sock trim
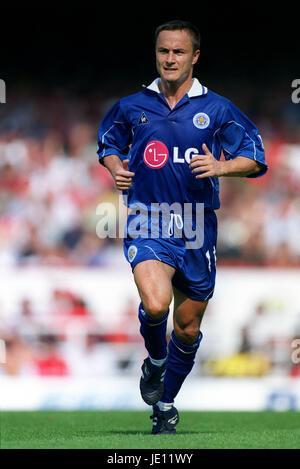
[(164, 406), (158, 362)]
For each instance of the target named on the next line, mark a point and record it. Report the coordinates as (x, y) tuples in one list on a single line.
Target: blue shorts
[(195, 268)]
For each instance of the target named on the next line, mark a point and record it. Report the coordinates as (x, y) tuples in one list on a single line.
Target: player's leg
[(183, 346), (193, 283), (184, 342), (188, 315), (153, 280), (193, 286)]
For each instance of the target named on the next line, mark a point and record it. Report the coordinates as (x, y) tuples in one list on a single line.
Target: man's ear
[(196, 56)]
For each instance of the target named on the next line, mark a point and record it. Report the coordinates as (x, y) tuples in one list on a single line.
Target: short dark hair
[(176, 25)]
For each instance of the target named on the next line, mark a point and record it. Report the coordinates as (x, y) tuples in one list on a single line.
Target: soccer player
[(162, 147)]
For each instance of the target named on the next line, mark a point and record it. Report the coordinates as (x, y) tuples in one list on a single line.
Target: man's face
[(175, 55)]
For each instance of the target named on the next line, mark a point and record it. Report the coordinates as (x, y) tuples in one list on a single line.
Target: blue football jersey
[(160, 142)]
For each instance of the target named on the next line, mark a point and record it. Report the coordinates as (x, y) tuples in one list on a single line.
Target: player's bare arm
[(119, 171), (209, 166)]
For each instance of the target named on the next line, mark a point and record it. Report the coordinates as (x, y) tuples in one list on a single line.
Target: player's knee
[(156, 308), (187, 334)]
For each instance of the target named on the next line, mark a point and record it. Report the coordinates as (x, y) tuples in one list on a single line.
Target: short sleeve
[(114, 135), (238, 136)]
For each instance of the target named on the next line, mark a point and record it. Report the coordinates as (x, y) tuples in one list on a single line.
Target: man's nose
[(170, 58)]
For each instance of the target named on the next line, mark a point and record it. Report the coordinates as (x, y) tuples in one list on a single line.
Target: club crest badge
[(132, 250), (201, 120)]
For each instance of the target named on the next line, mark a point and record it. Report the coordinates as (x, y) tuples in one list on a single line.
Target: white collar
[(196, 90)]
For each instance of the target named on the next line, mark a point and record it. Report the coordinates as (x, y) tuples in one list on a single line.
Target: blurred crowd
[(69, 340), (72, 340), (51, 184)]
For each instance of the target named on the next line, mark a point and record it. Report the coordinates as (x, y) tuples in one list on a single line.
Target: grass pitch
[(131, 430)]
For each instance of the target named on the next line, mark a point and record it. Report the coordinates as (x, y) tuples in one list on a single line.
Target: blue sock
[(181, 359), (154, 333)]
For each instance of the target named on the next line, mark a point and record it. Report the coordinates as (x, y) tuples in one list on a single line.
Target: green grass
[(131, 430)]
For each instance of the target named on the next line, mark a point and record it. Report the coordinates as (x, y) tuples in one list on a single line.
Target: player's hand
[(123, 177), (205, 164)]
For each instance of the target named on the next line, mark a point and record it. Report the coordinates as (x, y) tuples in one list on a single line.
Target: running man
[(162, 147)]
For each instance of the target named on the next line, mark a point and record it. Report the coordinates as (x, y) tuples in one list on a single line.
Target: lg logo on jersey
[(156, 154), (188, 155)]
